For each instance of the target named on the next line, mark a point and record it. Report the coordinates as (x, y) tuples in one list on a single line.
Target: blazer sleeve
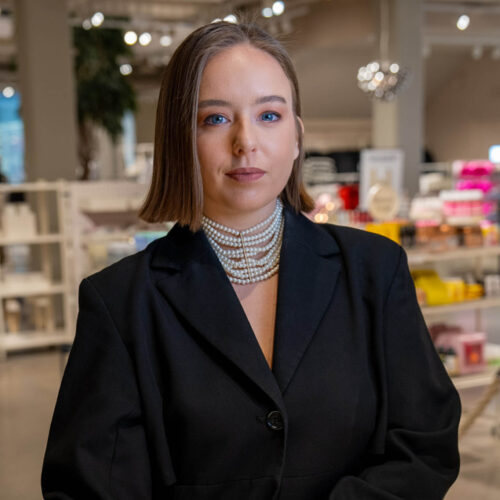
[(97, 446), (418, 452)]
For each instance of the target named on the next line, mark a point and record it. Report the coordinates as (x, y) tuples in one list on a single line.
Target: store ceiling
[(329, 40)]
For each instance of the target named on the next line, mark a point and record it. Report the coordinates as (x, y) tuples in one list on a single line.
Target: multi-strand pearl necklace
[(237, 250)]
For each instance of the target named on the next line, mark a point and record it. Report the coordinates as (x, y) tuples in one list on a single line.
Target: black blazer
[(167, 394)]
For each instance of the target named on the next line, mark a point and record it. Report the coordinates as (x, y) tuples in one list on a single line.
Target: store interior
[(400, 103)]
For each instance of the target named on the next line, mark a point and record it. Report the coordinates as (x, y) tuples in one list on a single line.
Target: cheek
[(288, 150), (207, 156)]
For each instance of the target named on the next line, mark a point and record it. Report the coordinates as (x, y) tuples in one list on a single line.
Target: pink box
[(469, 349)]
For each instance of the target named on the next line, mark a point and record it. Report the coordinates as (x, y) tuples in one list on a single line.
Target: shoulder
[(369, 259), (130, 272), (362, 244)]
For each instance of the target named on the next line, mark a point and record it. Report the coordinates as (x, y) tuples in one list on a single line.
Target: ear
[(301, 125)]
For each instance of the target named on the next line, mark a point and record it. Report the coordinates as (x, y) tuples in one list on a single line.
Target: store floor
[(28, 390)]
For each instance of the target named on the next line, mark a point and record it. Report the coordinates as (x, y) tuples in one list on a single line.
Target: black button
[(274, 420)]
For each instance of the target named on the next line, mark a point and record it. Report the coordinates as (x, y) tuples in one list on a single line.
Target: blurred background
[(401, 106)]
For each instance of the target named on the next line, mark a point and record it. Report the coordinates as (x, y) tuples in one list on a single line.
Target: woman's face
[(247, 138)]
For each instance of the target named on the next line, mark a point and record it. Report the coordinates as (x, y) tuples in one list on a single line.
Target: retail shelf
[(32, 339), (93, 206), (416, 257), (466, 305), (30, 186), (481, 379), (25, 290), (50, 273), (36, 239), (108, 237)]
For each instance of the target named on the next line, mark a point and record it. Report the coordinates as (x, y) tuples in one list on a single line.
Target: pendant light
[(382, 79)]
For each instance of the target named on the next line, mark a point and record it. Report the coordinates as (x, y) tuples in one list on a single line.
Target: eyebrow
[(219, 102)]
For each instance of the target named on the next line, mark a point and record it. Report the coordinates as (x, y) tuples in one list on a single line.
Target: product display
[(462, 207), (492, 285), (463, 351), (17, 221), (453, 218), (34, 289), (13, 315)]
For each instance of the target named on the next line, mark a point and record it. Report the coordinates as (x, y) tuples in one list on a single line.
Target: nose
[(244, 139)]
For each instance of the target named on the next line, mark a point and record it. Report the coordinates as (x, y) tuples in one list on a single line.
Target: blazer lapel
[(191, 278), (309, 269), (194, 282)]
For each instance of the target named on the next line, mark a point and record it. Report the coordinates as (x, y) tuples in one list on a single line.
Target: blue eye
[(270, 116), (215, 120)]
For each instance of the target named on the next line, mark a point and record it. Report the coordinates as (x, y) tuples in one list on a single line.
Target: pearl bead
[(239, 260)]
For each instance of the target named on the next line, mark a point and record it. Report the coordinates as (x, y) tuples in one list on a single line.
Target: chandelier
[(382, 79)]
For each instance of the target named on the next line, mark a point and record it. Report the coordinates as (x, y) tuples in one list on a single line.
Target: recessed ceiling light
[(130, 37), (165, 40), (267, 12), (278, 7), (8, 92), (463, 22), (145, 38), (97, 19), (125, 69)]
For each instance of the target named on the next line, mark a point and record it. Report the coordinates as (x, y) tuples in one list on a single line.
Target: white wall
[(463, 114)]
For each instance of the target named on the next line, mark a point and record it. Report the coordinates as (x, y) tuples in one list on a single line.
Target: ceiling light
[(86, 24), (231, 18), (463, 22), (130, 37), (382, 79), (267, 12), (8, 92), (145, 39), (97, 19), (278, 7), (495, 154), (125, 69), (165, 40)]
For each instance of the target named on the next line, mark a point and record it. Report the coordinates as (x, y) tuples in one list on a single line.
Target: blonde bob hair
[(176, 190)]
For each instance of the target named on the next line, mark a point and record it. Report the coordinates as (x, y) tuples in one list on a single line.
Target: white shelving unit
[(415, 257), (466, 305), (99, 214), (106, 203), (478, 254), (474, 380), (47, 241)]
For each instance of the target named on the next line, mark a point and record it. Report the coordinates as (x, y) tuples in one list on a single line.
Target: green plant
[(103, 93)]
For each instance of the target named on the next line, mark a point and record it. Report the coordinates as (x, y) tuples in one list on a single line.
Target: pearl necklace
[(237, 250)]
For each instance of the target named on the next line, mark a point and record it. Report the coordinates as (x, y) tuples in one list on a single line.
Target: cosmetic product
[(469, 348)]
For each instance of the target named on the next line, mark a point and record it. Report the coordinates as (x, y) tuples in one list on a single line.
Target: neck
[(240, 221)]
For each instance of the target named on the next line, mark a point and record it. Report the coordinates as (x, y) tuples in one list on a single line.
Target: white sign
[(382, 167)]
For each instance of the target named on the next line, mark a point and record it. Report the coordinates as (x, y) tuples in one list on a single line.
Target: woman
[(250, 353)]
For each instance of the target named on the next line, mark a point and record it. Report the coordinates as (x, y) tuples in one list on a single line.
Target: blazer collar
[(190, 277)]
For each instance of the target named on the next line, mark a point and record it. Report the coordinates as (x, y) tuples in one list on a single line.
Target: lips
[(245, 174)]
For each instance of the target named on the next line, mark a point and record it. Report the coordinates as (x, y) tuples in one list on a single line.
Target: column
[(400, 124), (48, 91)]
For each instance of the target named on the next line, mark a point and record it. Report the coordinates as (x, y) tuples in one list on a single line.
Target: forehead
[(243, 70)]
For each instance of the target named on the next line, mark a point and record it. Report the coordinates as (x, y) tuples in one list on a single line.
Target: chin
[(244, 204)]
